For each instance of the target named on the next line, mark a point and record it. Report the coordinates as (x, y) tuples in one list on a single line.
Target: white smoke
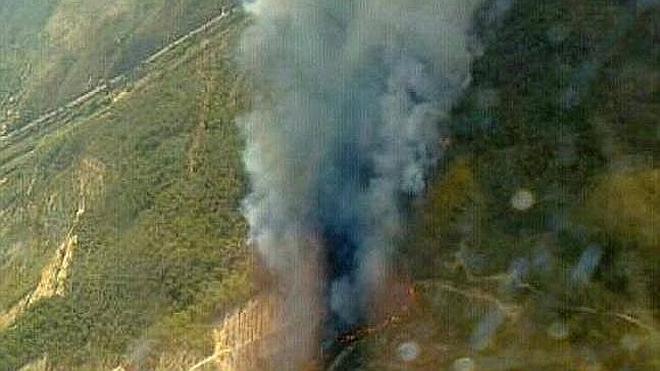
[(349, 97)]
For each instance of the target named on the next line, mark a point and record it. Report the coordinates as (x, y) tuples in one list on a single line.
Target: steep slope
[(121, 244), (55, 275), (537, 245), (53, 51), (158, 238)]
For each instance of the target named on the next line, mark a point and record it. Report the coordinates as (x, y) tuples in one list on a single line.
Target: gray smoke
[(349, 97)]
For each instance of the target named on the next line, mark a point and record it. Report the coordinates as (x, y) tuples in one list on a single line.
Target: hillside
[(537, 246), (122, 242), (51, 51), (120, 218)]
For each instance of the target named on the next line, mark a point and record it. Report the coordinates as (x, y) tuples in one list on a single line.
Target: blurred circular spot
[(464, 364), (409, 351), (558, 330), (630, 342), (522, 200)]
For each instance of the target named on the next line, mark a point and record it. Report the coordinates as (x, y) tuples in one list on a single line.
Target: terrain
[(121, 235), (122, 242), (537, 245)]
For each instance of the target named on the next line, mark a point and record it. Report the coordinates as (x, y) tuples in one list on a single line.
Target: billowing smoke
[(349, 100)]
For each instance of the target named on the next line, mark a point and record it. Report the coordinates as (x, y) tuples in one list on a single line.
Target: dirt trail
[(246, 335)]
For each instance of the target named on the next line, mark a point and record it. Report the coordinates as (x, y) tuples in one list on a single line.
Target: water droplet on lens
[(409, 351), (522, 200)]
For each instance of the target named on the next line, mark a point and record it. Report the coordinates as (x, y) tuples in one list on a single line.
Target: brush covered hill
[(537, 246), (121, 240), (53, 50)]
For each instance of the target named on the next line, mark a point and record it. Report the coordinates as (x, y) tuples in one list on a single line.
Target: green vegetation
[(563, 107), (536, 246), (156, 177), (52, 51)]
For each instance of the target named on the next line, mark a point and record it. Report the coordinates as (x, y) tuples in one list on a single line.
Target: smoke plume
[(346, 120)]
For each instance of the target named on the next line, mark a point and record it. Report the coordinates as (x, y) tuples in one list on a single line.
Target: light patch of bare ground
[(254, 338), (38, 365), (277, 330), (241, 339), (55, 275)]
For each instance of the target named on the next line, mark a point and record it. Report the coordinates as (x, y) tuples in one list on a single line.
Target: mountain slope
[(537, 244), (52, 51), (122, 243), (159, 239)]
